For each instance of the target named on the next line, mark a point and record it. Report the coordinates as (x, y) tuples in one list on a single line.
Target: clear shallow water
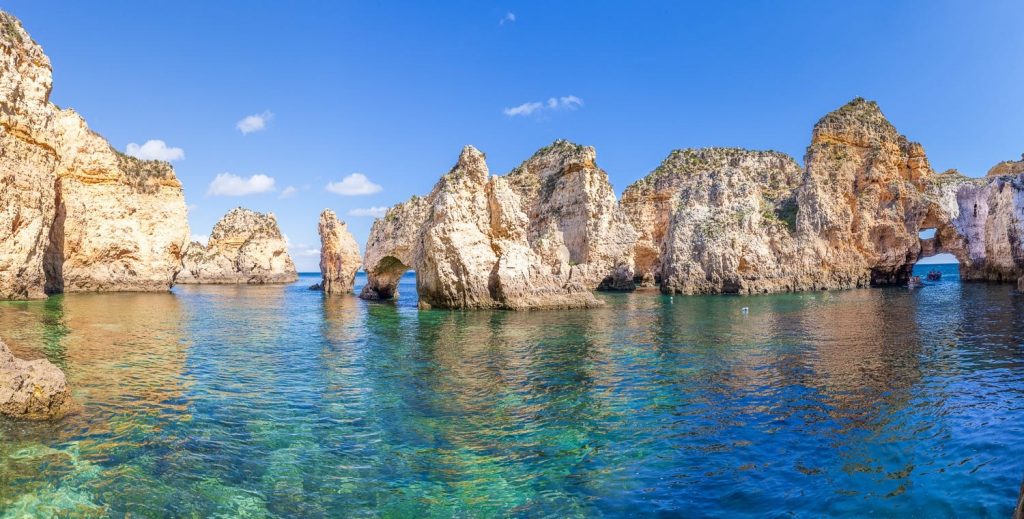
[(278, 402)]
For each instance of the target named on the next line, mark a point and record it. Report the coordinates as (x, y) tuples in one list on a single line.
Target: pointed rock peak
[(1007, 167), (859, 122), (472, 162)]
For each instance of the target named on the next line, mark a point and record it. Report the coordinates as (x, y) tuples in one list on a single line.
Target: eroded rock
[(75, 215), (31, 390), (244, 247), (339, 254), (468, 241)]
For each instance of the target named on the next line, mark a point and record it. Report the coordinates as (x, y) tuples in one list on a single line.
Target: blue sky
[(392, 91)]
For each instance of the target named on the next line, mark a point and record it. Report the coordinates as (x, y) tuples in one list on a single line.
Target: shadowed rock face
[(75, 215), (244, 247), (31, 390), (339, 254), (469, 244)]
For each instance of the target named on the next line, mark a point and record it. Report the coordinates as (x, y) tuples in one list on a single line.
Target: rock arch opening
[(382, 279)]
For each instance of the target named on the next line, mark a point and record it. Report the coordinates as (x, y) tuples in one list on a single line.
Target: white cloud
[(227, 184), (376, 212), (288, 192), (509, 17), (254, 122), (553, 104), (154, 149), (353, 185), (201, 238)]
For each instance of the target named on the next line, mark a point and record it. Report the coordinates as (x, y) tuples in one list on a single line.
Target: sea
[(279, 401)]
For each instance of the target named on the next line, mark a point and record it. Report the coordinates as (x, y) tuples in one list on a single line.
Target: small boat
[(934, 275), (914, 282)]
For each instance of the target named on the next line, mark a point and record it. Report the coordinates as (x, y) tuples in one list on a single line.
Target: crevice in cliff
[(53, 256)]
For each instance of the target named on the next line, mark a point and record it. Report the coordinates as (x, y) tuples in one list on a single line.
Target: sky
[(355, 106)]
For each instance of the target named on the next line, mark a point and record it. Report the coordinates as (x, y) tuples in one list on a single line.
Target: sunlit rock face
[(731, 230), (244, 247), (738, 221), (75, 215), (31, 390), (468, 241), (574, 221), (339, 254)]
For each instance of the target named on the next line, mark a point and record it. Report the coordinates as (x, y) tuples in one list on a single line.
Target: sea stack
[(31, 390), (339, 255), (244, 247), (469, 242), (75, 214)]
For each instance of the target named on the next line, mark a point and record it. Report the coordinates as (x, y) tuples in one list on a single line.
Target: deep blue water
[(280, 402)]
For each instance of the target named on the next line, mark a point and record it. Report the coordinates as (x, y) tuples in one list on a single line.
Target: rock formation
[(573, 219), (339, 254), (244, 247), (75, 215), (31, 390), (469, 242), (735, 221), (699, 197), (981, 222), (1007, 168)]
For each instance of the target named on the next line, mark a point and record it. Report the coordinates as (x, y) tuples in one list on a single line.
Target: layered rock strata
[(31, 390), (75, 215), (339, 255), (244, 247), (470, 243)]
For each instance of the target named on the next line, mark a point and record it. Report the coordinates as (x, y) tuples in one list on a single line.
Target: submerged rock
[(339, 254), (75, 215), (32, 390), (469, 242), (244, 247)]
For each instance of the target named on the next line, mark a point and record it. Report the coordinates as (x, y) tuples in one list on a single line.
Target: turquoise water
[(278, 402)]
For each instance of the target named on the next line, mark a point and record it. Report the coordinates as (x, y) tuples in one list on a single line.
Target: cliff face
[(732, 226), (244, 247), (75, 215), (750, 222), (32, 390), (339, 254), (574, 221), (981, 222), (469, 244)]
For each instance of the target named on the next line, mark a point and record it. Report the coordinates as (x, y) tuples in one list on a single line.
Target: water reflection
[(279, 402)]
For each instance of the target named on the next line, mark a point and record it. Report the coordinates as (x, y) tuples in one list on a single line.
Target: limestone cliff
[(468, 241), (981, 222), (339, 254), (75, 215), (732, 227), (574, 221), (244, 247), (32, 390), (738, 221)]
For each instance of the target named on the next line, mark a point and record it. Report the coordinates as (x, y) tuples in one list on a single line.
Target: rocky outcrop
[(749, 222), (733, 224), (573, 220), (32, 390), (700, 199), (981, 222), (244, 247), (469, 242), (1007, 168), (339, 255), (75, 215)]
